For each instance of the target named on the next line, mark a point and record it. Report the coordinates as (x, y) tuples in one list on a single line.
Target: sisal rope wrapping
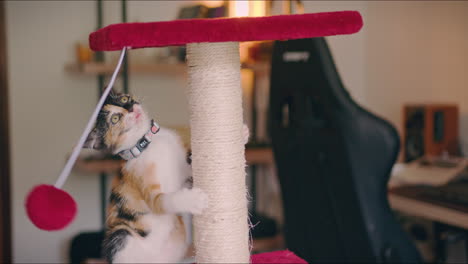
[(218, 160)]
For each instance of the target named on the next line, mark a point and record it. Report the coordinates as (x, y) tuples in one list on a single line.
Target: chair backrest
[(333, 159)]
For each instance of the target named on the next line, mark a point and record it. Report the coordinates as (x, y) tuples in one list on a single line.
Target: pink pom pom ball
[(50, 208)]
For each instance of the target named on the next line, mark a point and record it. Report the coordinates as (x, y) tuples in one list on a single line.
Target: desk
[(431, 203), (437, 212), (446, 216)]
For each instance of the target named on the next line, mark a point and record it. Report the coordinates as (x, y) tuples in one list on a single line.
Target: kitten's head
[(119, 125)]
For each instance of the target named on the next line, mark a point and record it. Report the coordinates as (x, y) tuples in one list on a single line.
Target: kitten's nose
[(130, 109)]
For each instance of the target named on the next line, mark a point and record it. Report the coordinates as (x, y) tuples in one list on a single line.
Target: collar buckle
[(142, 144)]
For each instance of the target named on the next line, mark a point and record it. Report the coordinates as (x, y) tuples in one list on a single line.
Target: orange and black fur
[(144, 222)]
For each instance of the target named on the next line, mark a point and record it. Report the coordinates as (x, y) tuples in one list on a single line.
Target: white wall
[(48, 111), (348, 50), (417, 52)]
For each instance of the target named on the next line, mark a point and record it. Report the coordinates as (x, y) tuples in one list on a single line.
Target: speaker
[(429, 129)]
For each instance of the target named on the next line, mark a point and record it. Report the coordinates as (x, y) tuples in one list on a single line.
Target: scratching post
[(218, 162), (222, 232)]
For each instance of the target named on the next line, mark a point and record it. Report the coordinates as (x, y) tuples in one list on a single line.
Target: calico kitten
[(143, 221)]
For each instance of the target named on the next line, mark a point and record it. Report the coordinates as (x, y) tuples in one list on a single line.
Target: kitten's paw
[(245, 133), (192, 201), (198, 201)]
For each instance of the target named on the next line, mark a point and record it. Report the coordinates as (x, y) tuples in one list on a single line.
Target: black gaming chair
[(333, 159)]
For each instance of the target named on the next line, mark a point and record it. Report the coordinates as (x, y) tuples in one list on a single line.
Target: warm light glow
[(238, 8), (212, 3), (257, 8), (244, 51), (242, 8)]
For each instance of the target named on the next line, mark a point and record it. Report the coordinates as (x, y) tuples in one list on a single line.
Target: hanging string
[(76, 151)]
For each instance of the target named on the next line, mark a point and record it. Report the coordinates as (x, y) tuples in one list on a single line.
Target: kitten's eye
[(124, 99), (115, 118)]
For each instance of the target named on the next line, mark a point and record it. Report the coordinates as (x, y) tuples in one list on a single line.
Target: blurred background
[(409, 60)]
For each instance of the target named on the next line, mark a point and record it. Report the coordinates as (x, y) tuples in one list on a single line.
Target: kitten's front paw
[(193, 200), (199, 201)]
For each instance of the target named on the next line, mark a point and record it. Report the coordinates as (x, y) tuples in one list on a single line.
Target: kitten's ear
[(94, 141), (110, 97), (112, 92)]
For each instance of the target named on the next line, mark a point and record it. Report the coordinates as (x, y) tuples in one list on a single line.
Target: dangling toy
[(48, 206)]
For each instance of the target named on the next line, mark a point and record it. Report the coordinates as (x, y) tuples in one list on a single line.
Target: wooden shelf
[(98, 166), (259, 67), (96, 68), (257, 156), (95, 261)]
